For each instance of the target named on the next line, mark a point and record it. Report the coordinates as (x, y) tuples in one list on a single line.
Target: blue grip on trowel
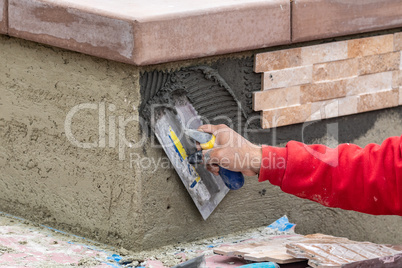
[(232, 179)]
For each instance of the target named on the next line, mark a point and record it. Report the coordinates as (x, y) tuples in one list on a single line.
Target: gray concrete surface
[(95, 193)]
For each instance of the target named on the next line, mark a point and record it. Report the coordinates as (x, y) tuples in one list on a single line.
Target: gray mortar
[(258, 203), (90, 192)]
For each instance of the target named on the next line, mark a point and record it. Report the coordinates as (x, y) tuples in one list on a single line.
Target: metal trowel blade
[(206, 189)]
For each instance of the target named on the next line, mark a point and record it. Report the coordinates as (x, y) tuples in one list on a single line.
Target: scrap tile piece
[(264, 250), (330, 251)]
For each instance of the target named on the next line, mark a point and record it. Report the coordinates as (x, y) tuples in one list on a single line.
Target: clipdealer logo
[(114, 122)]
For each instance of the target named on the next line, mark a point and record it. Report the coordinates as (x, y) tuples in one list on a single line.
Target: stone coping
[(156, 31)]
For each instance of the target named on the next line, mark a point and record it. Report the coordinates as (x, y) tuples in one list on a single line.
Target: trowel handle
[(233, 180)]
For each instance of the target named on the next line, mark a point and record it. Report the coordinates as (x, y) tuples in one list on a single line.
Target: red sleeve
[(366, 179)]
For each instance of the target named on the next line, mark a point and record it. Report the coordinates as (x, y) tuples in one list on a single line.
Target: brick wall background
[(329, 80)]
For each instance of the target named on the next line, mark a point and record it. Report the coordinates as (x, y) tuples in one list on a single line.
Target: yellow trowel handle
[(210, 144)]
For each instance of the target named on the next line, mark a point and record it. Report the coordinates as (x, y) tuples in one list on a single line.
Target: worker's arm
[(366, 179)]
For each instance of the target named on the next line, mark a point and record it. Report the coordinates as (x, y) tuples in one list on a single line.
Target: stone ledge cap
[(155, 31)]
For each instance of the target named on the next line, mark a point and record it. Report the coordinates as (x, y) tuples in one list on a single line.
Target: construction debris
[(329, 251)]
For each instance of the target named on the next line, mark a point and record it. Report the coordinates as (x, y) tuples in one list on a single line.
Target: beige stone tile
[(143, 32), (335, 70), (378, 100), (347, 105), (286, 116), (333, 51), (370, 46), (379, 63), (3, 17), (287, 77), (368, 83), (398, 41), (319, 19), (322, 91), (397, 79), (276, 98), (400, 95), (277, 60), (400, 66), (325, 109)]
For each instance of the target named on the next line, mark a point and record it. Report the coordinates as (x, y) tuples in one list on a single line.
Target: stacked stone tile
[(329, 80)]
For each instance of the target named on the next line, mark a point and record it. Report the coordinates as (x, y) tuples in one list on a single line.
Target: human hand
[(231, 151)]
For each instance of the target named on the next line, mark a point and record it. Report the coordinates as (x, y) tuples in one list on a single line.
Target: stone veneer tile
[(318, 19), (369, 83), (191, 29), (286, 116), (371, 45), (397, 79), (277, 60), (324, 53), (400, 66), (322, 91), (327, 109), (378, 100), (287, 77), (379, 63), (276, 98), (400, 96), (398, 41), (335, 70), (3, 17), (347, 105)]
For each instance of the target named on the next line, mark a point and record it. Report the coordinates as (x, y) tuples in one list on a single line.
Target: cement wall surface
[(101, 193)]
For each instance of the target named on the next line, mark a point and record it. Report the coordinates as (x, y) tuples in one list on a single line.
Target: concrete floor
[(23, 243), (27, 244)]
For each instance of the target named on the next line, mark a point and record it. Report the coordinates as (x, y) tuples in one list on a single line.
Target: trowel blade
[(206, 189)]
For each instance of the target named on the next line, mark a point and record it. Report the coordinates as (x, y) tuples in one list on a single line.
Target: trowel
[(169, 120)]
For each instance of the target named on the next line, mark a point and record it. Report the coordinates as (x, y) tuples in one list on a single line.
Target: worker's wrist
[(256, 159)]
